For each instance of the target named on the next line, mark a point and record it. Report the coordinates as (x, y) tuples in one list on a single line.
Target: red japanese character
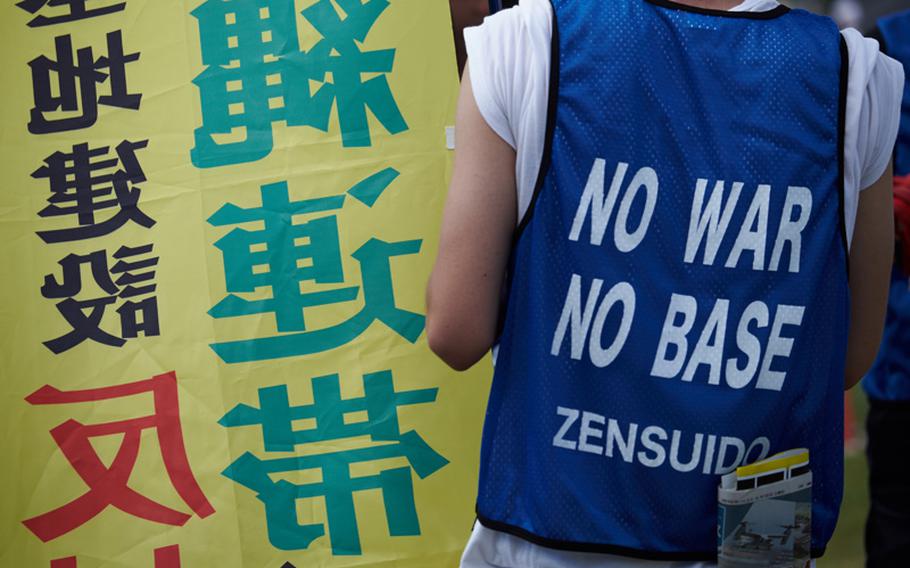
[(165, 557), (108, 486)]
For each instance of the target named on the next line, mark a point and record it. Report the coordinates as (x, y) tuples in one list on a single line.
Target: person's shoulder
[(506, 55), (535, 10), (534, 16), (870, 65), (874, 93)]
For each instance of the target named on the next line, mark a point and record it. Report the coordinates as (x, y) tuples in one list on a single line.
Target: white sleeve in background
[(874, 94)]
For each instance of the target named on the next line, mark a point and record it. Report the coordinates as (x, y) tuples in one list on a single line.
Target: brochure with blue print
[(765, 513)]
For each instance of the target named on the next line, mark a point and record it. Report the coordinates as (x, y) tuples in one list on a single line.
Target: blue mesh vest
[(678, 300), (889, 377)]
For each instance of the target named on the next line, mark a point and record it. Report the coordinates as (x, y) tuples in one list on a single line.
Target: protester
[(888, 382), (673, 206)]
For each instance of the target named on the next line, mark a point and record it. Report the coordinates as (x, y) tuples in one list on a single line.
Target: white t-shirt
[(509, 59)]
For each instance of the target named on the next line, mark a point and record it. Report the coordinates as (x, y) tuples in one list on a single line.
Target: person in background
[(671, 194), (465, 13), (887, 384)]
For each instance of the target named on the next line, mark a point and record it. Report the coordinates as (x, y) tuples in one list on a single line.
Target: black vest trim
[(841, 144), (552, 100), (597, 548)]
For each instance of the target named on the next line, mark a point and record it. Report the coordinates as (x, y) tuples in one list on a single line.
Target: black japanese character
[(77, 11), (134, 278), (82, 183), (77, 82)]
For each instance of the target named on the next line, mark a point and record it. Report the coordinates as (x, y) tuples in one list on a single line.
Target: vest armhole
[(841, 150), (543, 170), (552, 99), (596, 548)]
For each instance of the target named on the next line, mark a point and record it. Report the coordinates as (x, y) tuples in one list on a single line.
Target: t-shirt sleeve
[(877, 85), (489, 47), (874, 92), (882, 103), (509, 56), (509, 61)]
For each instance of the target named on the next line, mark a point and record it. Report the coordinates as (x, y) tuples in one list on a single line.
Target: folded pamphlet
[(765, 513)]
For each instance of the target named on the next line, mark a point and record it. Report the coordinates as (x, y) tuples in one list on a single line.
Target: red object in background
[(902, 218), (108, 485), (850, 440)]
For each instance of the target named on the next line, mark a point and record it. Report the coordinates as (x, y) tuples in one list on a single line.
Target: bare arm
[(477, 228), (871, 257)]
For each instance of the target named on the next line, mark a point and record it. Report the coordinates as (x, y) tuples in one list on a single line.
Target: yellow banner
[(217, 221)]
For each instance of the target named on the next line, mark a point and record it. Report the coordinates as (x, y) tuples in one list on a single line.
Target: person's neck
[(711, 4)]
